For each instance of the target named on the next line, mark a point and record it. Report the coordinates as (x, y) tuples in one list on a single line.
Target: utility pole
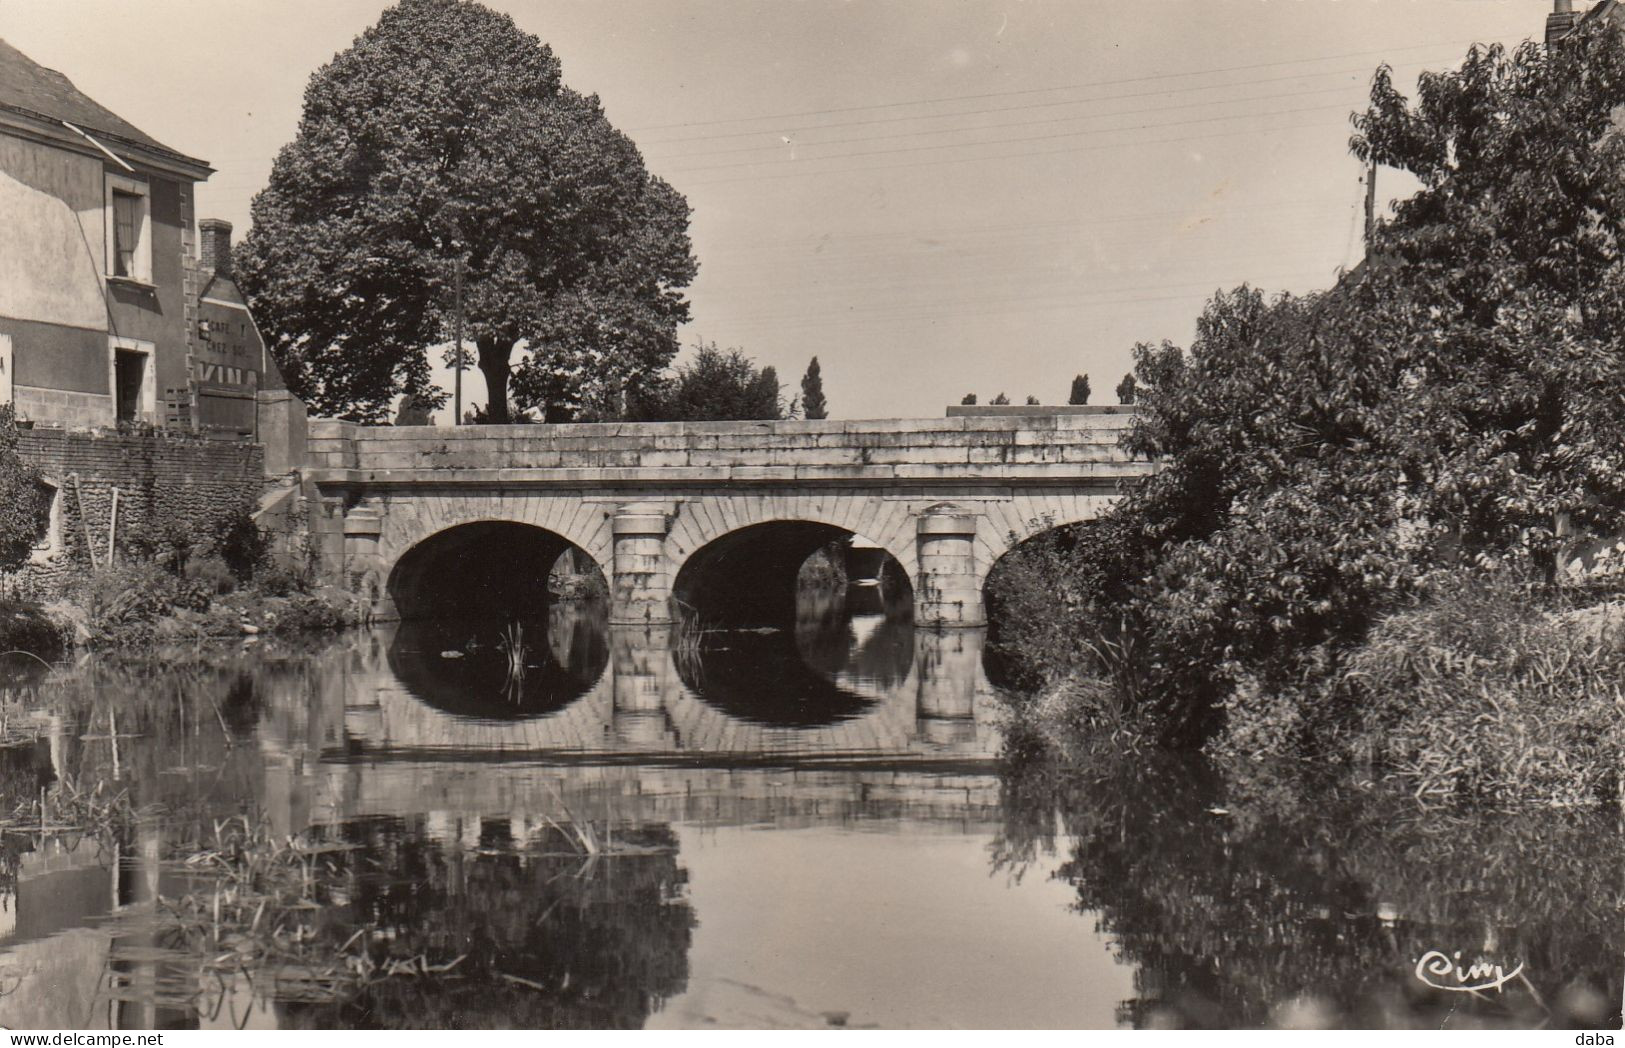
[(457, 306), (1370, 206)]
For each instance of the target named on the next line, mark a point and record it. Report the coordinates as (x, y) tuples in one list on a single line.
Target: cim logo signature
[(1437, 970)]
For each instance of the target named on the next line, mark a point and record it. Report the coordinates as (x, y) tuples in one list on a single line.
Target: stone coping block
[(1070, 476), (958, 421)]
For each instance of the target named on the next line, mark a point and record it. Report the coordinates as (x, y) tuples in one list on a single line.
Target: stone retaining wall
[(158, 474)]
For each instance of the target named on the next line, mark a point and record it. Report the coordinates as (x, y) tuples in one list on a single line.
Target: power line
[(1107, 296), (1044, 90), (1178, 140), (847, 318), (914, 117), (1010, 141), (1004, 124), (1127, 217)]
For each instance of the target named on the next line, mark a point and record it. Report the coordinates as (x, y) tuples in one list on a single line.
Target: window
[(126, 232), (129, 226)]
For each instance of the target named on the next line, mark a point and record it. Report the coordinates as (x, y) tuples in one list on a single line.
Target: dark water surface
[(556, 824)]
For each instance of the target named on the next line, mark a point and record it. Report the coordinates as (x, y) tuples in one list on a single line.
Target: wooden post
[(112, 530), (84, 521)]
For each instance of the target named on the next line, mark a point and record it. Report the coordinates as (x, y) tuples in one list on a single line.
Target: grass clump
[(1485, 691)]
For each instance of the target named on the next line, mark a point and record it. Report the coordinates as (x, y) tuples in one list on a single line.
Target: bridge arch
[(747, 576), (1034, 533), (479, 569), (407, 523), (1018, 591), (700, 522)]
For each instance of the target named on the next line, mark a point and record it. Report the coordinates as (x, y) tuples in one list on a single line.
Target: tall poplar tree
[(813, 404)]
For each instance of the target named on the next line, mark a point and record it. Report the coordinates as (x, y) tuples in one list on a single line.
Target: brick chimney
[(215, 234), (1561, 21)]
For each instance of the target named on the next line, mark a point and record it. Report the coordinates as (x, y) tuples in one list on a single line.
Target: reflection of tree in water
[(839, 634), (25, 770), (551, 939), (178, 714), (1244, 905), (578, 635)]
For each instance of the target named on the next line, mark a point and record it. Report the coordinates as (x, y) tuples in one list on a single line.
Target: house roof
[(29, 89), (222, 289), (1599, 10)]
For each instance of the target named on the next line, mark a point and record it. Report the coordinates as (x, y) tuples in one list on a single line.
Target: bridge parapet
[(1069, 447)]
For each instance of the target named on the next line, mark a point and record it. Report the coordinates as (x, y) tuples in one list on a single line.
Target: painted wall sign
[(226, 376)]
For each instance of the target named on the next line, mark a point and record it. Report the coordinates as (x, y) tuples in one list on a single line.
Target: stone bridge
[(714, 516)]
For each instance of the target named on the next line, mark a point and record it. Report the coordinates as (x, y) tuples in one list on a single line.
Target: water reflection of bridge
[(642, 744), (643, 741), (641, 706)]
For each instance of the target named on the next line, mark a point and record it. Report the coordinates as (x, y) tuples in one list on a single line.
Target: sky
[(934, 198)]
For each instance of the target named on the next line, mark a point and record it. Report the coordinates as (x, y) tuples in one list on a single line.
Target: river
[(556, 824)]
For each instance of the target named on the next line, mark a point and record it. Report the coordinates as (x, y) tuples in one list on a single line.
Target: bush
[(238, 541), (278, 580), (212, 573), (121, 602), (1039, 620), (1481, 692), (825, 569), (23, 503), (26, 627)]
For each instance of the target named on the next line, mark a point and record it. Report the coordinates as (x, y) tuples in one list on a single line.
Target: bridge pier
[(948, 669), (947, 591), (642, 677), (640, 591)]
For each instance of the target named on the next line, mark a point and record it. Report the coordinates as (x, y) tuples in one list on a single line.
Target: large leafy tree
[(1500, 288), (1080, 390), (1455, 401), (441, 138)]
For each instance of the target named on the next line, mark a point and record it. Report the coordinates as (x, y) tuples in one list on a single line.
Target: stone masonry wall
[(158, 473)]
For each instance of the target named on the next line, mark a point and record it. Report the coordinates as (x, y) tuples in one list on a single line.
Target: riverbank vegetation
[(173, 578), (1289, 896), (1357, 544)]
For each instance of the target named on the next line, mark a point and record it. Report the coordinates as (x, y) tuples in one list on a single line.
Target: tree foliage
[(968, 398), (444, 133), (1080, 390), (23, 499), (716, 385), (1125, 389), (813, 404), (1001, 399), (1455, 401)]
